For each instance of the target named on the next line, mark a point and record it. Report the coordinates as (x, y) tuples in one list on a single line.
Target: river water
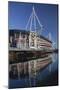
[(45, 77)]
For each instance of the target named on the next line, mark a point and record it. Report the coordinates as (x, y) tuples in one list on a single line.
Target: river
[(48, 76)]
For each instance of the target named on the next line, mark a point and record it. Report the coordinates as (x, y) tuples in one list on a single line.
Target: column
[(10, 41), (35, 41), (29, 40), (19, 41), (25, 42)]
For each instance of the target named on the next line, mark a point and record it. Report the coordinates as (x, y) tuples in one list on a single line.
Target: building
[(22, 39)]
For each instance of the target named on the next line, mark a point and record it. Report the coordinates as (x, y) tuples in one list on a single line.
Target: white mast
[(33, 20), (33, 17), (49, 36)]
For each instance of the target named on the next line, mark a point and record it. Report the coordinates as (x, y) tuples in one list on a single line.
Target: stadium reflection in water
[(35, 73)]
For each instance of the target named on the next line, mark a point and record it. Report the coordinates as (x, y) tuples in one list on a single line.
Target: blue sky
[(19, 12)]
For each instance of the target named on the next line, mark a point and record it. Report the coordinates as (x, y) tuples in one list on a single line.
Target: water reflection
[(50, 67), (33, 72)]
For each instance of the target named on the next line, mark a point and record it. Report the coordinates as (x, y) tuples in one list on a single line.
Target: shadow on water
[(40, 73)]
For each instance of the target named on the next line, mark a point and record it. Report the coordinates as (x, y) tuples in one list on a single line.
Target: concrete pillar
[(11, 40), (29, 40), (19, 41), (25, 42), (35, 41)]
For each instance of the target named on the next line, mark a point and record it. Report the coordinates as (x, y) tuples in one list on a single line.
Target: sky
[(19, 13)]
